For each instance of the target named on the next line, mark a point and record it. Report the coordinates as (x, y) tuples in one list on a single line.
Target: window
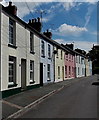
[(48, 72), (79, 59), (58, 72), (42, 49), (12, 70), (61, 54), (69, 70), (31, 71), (65, 71), (49, 51), (12, 32), (31, 42), (57, 51)]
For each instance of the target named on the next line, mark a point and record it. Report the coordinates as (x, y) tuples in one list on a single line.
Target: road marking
[(12, 105)]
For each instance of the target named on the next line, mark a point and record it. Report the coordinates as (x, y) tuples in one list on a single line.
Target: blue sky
[(69, 22)]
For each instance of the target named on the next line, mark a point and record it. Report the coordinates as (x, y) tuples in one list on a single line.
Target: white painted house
[(46, 62), (80, 65), (19, 54)]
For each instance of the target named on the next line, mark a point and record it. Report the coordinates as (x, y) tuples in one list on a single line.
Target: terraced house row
[(29, 58)]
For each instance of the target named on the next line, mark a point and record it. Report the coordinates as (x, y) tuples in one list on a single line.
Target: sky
[(69, 22)]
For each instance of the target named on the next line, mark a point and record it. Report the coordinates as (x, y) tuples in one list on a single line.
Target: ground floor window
[(12, 70), (31, 71), (58, 72), (48, 72)]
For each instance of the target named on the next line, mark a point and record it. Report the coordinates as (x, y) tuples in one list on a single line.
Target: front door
[(23, 74), (63, 72), (41, 74)]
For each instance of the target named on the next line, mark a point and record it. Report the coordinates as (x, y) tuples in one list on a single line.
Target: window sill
[(49, 58), (13, 85), (13, 46), (49, 80), (32, 52), (32, 82), (43, 56)]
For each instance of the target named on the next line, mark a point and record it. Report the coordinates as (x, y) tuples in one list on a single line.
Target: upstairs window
[(61, 54), (12, 32), (49, 51), (42, 49), (31, 42)]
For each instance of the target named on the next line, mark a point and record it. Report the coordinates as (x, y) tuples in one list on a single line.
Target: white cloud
[(65, 30), (84, 45), (88, 14)]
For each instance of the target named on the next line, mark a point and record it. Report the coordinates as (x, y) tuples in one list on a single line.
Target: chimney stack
[(11, 8), (48, 34), (36, 24)]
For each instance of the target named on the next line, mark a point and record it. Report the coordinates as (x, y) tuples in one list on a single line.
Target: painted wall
[(22, 51), (59, 62), (88, 67), (46, 60), (80, 66), (69, 66)]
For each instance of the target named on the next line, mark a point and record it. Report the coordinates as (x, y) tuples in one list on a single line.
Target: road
[(79, 100)]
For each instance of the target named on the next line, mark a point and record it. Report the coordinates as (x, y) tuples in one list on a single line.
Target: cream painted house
[(59, 65), (19, 56), (88, 63)]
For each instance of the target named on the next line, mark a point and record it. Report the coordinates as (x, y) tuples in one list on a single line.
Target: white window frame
[(31, 71), (31, 42), (12, 31), (13, 62), (42, 48), (49, 51), (48, 72)]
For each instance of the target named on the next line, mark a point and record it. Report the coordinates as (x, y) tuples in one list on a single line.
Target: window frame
[(49, 51), (12, 63), (42, 48), (12, 33), (32, 71), (31, 42), (48, 72)]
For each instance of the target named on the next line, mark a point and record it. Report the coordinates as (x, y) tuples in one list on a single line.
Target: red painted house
[(69, 62)]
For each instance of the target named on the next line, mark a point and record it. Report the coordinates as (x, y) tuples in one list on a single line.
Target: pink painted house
[(70, 66)]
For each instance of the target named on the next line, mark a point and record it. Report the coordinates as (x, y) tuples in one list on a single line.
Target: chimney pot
[(10, 3)]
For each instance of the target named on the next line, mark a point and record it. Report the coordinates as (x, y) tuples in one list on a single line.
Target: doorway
[(23, 74), (41, 74)]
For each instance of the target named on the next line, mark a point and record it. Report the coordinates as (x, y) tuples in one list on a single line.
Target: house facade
[(80, 65), (46, 62), (69, 65), (88, 67), (19, 56), (59, 64)]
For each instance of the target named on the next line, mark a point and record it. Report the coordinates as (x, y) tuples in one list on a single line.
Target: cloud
[(47, 18), (88, 14), (84, 45), (26, 8), (65, 30)]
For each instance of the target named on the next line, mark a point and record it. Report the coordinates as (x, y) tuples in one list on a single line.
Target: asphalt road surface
[(79, 100)]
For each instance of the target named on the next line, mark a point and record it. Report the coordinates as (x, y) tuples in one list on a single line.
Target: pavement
[(18, 104)]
